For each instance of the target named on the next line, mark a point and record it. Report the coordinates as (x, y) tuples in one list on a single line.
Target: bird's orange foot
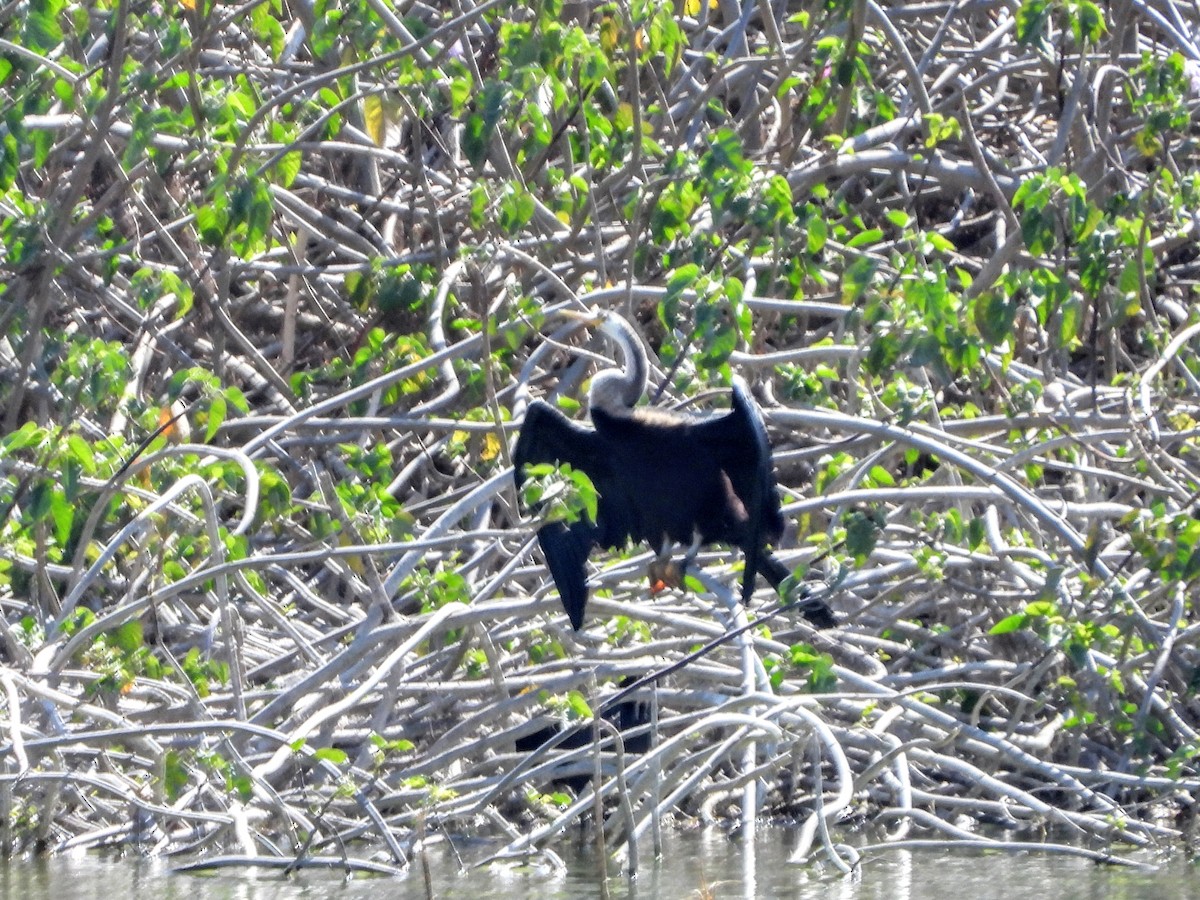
[(664, 573)]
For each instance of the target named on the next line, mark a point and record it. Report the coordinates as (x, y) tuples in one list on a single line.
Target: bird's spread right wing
[(739, 443), (566, 549), (547, 436)]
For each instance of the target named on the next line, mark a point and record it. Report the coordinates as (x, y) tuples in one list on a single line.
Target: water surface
[(699, 864)]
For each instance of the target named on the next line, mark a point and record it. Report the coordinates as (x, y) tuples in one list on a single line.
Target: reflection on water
[(705, 864)]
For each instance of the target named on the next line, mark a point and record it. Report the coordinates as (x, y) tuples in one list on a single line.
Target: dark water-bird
[(663, 477)]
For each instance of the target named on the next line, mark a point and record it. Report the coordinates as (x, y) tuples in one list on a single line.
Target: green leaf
[(976, 532), (857, 278), (40, 30), (870, 236), (81, 451), (479, 205), (818, 234), (216, 415), (331, 754), (237, 399), (1041, 608), (63, 513), (481, 126), (27, 435), (10, 160), (578, 706), (682, 278), (212, 225), (994, 317), (516, 209), (460, 93), (1088, 22), (862, 532), (1032, 19), (128, 637), (588, 495), (288, 167), (1070, 312), (175, 774), (881, 476), (1009, 624)]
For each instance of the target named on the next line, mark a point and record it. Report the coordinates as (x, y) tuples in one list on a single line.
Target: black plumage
[(661, 477)]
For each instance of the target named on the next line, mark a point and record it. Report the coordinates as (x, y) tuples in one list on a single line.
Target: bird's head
[(614, 390)]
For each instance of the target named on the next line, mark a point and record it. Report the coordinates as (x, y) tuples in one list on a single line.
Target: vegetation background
[(275, 276)]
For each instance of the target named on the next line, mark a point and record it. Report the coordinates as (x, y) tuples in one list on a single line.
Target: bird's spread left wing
[(739, 443), (547, 436)]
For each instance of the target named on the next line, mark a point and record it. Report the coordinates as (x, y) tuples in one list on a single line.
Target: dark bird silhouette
[(631, 717), (662, 477)]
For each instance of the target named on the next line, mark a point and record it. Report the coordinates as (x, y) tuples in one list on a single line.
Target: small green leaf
[(818, 234), (1009, 624), (862, 531), (994, 317), (578, 706), (1032, 19), (1041, 608), (237, 399), (211, 225), (331, 754), (40, 29), (882, 477), (81, 451), (128, 637), (63, 513), (976, 532), (870, 236), (475, 139), (1088, 22), (27, 435), (175, 774), (216, 415)]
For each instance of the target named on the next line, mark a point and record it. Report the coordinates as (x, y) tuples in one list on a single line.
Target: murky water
[(706, 864)]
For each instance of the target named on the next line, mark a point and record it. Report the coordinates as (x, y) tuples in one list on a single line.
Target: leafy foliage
[(270, 282)]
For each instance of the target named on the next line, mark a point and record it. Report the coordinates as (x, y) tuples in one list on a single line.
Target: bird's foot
[(664, 574)]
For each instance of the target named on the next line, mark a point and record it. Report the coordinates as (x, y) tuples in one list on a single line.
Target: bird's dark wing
[(739, 443), (566, 548), (547, 436)]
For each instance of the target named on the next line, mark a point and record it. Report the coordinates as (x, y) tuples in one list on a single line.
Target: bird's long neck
[(617, 391)]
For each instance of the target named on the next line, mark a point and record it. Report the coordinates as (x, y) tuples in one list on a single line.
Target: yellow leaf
[(188, 4), (491, 447), (691, 7), (623, 118), (373, 117), (610, 33), (354, 562)]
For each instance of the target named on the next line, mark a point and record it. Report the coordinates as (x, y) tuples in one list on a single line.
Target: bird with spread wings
[(663, 478)]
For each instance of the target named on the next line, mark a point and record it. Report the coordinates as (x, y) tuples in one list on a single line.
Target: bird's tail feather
[(812, 608)]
